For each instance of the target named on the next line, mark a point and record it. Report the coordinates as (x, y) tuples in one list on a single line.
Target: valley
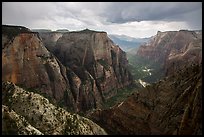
[(144, 69)]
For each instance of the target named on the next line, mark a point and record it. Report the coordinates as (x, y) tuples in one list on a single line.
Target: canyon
[(172, 104), (58, 82)]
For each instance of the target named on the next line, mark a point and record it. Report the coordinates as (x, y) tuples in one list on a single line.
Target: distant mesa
[(62, 30), (66, 30), (88, 31), (41, 30), (50, 31)]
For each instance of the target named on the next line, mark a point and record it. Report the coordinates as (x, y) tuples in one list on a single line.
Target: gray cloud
[(146, 11), (106, 16), (26, 13)]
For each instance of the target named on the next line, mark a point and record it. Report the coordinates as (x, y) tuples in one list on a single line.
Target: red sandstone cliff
[(87, 69), (26, 62), (174, 49)]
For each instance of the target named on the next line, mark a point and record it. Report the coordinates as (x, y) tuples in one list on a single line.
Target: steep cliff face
[(171, 106), (191, 53), (173, 49), (100, 65), (26, 62), (28, 113), (92, 67)]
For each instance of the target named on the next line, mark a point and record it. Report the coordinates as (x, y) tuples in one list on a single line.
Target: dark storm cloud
[(119, 12), (149, 11)]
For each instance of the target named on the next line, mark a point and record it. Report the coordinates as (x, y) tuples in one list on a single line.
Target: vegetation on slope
[(23, 108), (120, 96), (137, 66)]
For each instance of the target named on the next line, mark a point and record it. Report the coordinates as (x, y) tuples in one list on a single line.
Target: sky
[(135, 19)]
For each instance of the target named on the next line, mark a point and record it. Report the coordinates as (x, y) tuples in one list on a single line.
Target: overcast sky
[(136, 19)]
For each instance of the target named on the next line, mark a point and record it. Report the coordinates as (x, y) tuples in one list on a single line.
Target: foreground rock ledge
[(29, 113)]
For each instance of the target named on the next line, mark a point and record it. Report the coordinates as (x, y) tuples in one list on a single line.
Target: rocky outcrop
[(100, 65), (14, 124), (26, 62), (172, 106), (173, 49), (28, 113)]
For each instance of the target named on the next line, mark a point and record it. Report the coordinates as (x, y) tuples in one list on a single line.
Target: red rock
[(173, 49), (26, 62), (88, 69)]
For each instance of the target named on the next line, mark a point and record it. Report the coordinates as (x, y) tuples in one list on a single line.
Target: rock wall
[(92, 55), (84, 69), (173, 49), (26, 62)]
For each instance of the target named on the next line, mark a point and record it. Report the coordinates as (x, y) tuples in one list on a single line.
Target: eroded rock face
[(21, 109), (88, 69), (96, 64), (172, 106), (95, 59), (173, 49), (26, 62)]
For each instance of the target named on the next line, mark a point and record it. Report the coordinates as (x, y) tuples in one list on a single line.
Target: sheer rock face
[(30, 113), (99, 66), (25, 61), (92, 67), (95, 59), (174, 49), (169, 107)]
